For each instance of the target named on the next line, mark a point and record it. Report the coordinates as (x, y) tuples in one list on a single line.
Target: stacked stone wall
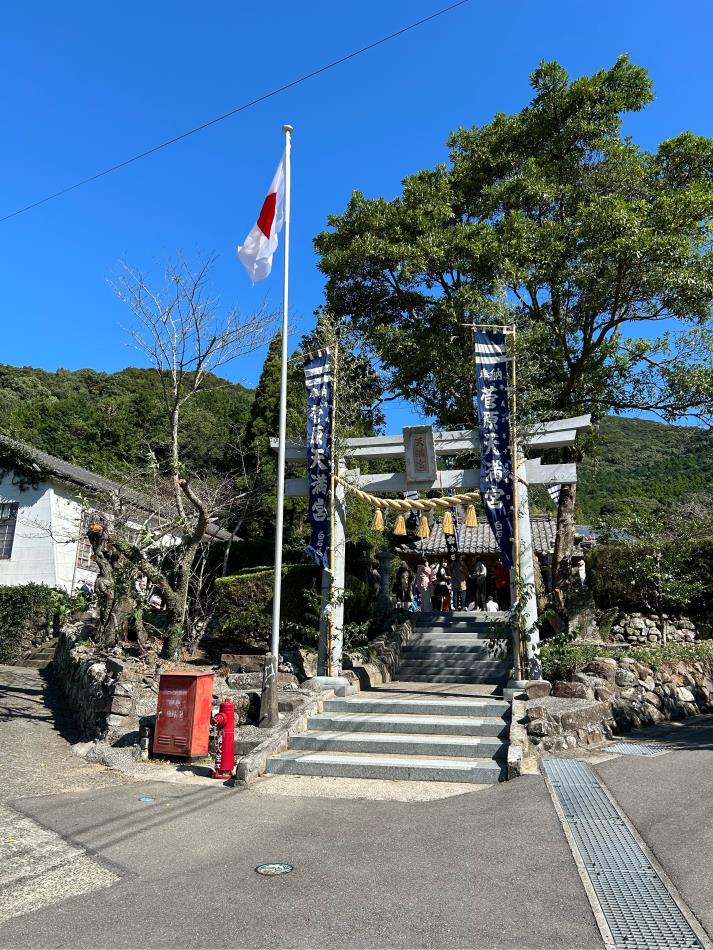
[(640, 629), (615, 695)]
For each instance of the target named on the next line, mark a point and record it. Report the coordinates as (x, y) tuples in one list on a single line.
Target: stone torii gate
[(425, 477)]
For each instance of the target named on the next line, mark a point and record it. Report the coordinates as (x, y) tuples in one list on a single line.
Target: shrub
[(561, 656), (244, 603), (29, 613), (659, 576)]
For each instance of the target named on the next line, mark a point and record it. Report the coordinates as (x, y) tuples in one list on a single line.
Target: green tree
[(259, 461), (552, 219)]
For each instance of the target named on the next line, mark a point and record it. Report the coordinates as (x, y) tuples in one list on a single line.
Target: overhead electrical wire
[(241, 108)]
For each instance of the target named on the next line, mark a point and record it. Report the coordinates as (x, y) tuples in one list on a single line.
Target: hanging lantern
[(423, 531), (377, 522), (447, 523), (400, 526), (471, 517)]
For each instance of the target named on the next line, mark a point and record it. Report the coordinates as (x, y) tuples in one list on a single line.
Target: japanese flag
[(261, 243)]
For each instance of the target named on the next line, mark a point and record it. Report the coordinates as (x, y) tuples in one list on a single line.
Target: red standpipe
[(225, 748)]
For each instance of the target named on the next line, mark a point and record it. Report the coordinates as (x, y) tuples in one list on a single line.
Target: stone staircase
[(456, 648), (444, 720), (38, 658)]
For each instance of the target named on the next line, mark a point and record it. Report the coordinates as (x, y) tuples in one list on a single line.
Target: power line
[(241, 108)]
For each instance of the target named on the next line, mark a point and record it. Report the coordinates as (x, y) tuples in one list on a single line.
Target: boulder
[(602, 666), (565, 690), (538, 689), (243, 662), (625, 678)]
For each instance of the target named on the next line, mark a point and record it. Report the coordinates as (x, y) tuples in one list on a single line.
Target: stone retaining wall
[(108, 695), (652, 629), (615, 695), (384, 655)]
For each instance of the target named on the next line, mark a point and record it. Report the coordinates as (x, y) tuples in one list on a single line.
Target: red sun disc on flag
[(267, 214)]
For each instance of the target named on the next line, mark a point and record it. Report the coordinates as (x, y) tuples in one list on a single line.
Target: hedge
[(244, 603), (30, 613)]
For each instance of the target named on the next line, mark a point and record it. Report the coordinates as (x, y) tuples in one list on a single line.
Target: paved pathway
[(486, 868), (37, 866)]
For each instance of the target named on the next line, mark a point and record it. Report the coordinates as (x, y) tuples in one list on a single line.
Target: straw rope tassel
[(423, 530), (377, 522), (400, 525), (471, 517), (447, 523)]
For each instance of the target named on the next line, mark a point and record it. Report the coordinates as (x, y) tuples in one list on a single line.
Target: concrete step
[(404, 767), (458, 637), (418, 651), (411, 725), (491, 678), (424, 664), (426, 706), (376, 743)]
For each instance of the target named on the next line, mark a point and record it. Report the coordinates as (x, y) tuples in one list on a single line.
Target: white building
[(43, 501)]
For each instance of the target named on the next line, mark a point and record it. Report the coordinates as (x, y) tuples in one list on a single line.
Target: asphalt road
[(488, 868)]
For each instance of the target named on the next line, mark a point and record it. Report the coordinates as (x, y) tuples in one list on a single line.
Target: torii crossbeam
[(560, 433)]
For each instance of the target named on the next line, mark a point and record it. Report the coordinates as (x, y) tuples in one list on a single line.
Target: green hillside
[(647, 464), (107, 421)]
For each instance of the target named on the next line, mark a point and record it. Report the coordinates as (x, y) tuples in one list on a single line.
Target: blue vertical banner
[(496, 471), (320, 404)]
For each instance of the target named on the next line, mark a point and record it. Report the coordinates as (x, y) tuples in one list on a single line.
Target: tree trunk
[(564, 546)]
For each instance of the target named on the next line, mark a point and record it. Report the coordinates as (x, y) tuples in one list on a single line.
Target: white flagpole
[(268, 705), (279, 519)]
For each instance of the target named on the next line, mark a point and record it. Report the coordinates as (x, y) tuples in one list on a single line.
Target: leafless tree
[(183, 333)]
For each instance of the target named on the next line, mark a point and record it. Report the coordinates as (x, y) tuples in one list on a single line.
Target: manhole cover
[(271, 870)]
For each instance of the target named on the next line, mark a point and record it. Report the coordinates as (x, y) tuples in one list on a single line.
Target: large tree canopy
[(552, 219)]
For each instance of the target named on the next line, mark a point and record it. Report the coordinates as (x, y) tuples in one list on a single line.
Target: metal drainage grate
[(637, 748), (638, 908)]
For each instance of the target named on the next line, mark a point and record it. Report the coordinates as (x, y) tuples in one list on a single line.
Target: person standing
[(459, 578), (440, 590), (423, 583), (480, 572), (502, 585), (403, 585)]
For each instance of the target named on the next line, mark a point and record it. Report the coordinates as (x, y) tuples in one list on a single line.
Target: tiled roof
[(481, 540), (68, 472)]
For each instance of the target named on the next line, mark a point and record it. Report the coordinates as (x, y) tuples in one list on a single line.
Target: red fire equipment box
[(183, 714)]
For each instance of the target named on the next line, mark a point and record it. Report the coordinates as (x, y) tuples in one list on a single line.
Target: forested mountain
[(106, 422), (648, 465)]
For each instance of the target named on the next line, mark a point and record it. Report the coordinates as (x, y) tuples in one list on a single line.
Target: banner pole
[(268, 702), (332, 517), (517, 651)]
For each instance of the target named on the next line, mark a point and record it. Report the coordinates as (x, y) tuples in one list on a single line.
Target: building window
[(8, 521), (85, 555)]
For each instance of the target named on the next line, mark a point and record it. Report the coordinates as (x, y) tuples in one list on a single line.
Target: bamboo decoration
[(471, 517)]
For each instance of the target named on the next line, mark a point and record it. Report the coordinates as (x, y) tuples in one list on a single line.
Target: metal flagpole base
[(268, 699)]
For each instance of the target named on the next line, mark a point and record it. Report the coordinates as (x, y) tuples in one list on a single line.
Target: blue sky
[(87, 85)]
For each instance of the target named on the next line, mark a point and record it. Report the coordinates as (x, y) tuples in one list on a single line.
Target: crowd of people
[(456, 583)]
